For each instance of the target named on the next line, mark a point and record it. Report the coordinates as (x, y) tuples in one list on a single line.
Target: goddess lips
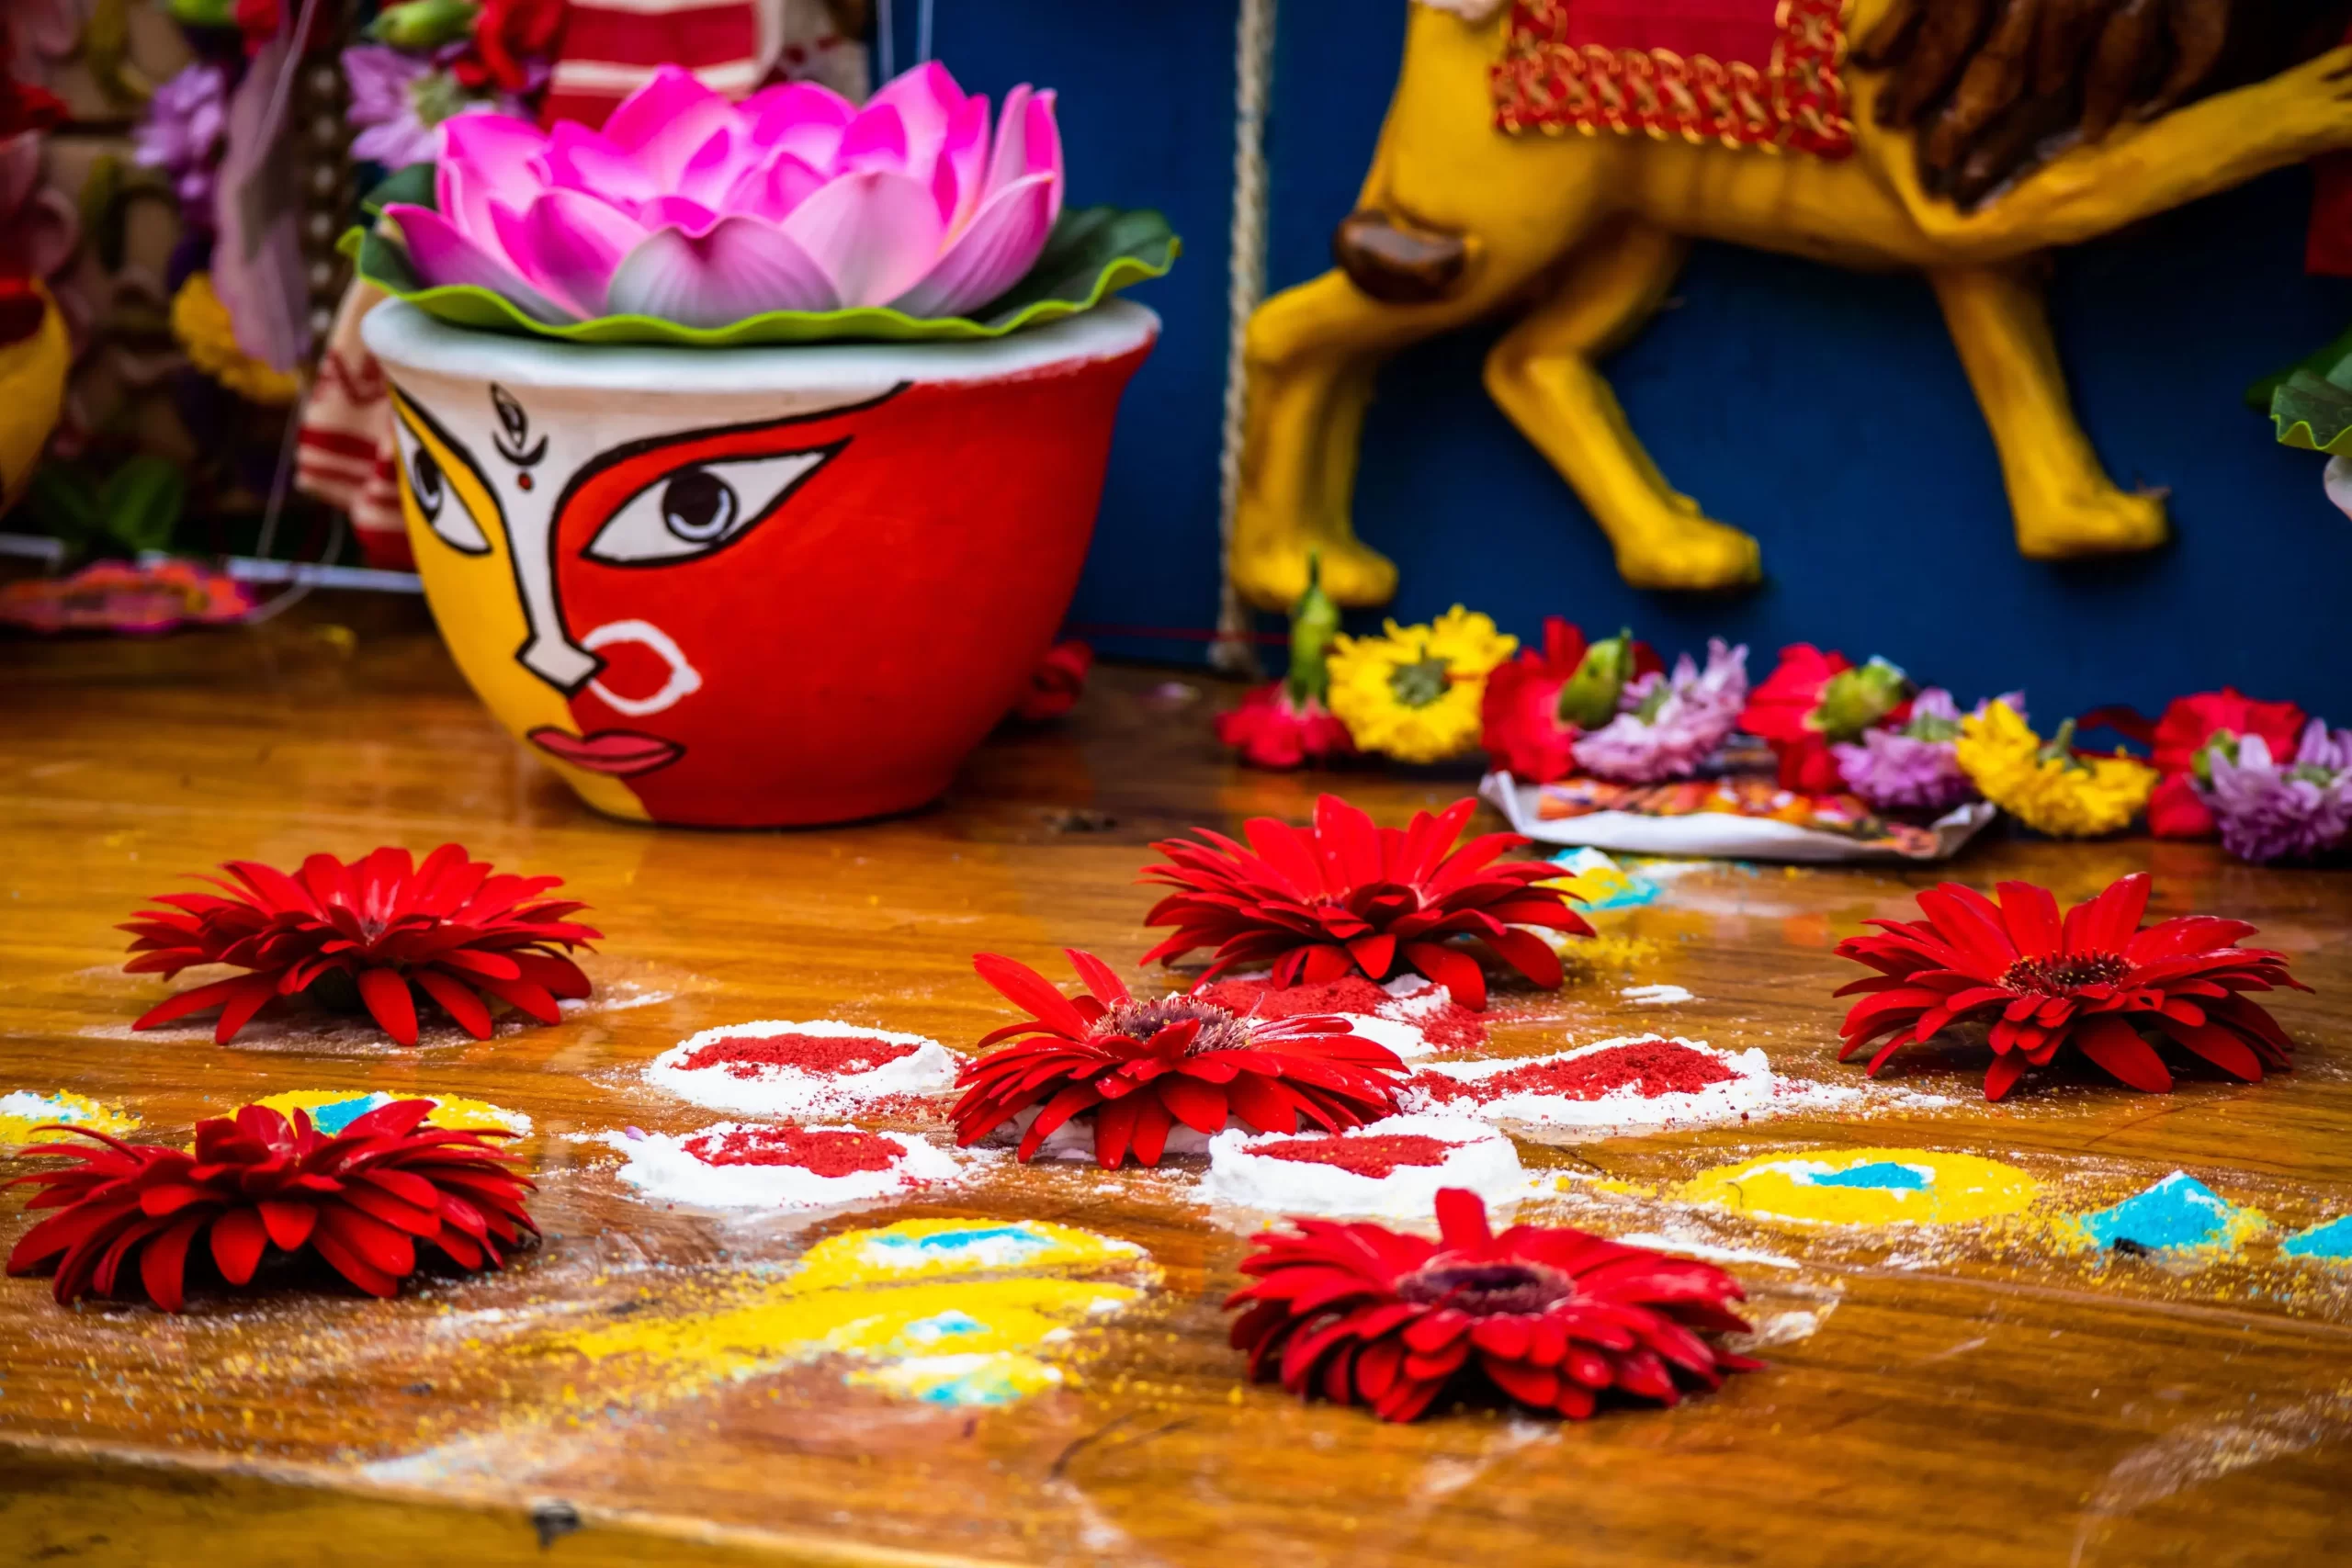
[(622, 752)]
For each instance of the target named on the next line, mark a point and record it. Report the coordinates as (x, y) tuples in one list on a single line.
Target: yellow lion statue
[(1526, 168)]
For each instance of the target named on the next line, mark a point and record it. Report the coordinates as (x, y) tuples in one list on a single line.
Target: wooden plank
[(1956, 1397)]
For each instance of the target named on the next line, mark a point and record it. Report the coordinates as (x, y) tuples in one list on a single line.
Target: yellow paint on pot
[(1866, 1187), (23, 1111), (473, 595)]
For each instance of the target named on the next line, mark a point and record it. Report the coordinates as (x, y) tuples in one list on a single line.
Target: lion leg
[(1313, 356), (1544, 376), (2063, 503)]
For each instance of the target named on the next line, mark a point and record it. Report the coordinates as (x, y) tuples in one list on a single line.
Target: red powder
[(1449, 1027), (1376, 1156), (1257, 998), (1650, 1067), (825, 1153), (744, 1055)]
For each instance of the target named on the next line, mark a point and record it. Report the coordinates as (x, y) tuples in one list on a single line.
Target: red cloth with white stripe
[(611, 48)]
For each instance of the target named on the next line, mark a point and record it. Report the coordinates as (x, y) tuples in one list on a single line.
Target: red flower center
[(1485, 1288), (1220, 1031), (2065, 973)]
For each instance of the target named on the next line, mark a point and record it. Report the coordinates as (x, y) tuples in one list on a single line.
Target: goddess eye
[(697, 508), (428, 485)]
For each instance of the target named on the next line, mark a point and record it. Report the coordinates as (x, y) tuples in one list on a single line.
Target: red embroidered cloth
[(1747, 73)]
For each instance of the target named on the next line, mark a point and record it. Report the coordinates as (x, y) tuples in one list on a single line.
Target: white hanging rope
[(922, 34), (885, 45), (1253, 61)]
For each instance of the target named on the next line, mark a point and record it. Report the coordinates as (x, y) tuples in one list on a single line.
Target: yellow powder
[(1866, 1187)]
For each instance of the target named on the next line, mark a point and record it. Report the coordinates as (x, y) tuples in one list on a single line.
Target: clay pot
[(752, 587)]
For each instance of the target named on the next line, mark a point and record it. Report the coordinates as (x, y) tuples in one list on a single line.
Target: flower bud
[(1856, 699), (1589, 697), (424, 24), (1314, 622)]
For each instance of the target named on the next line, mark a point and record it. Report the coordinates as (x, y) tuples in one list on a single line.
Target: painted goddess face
[(704, 607)]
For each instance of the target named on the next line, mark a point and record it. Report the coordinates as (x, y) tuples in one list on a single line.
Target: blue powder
[(930, 1330), (1023, 1240), (2177, 1214), (334, 1118), (2329, 1243), (1884, 1175)]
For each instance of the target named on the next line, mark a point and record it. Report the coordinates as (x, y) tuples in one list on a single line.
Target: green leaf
[(2313, 413), (2333, 362), (62, 501), (141, 502), (1092, 253)]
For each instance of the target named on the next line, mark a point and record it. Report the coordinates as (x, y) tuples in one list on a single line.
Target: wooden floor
[(1935, 1396)]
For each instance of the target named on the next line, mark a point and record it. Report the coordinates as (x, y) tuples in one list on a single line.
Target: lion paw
[(2109, 523), (1690, 554), (1272, 577)]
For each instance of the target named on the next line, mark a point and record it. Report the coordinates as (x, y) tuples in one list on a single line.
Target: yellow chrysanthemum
[(1414, 692), (2047, 787), (201, 325)]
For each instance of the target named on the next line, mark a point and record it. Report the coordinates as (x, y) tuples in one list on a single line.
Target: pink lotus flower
[(695, 211)]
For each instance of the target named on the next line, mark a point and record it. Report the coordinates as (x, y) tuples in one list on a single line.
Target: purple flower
[(1669, 725), (2269, 811), (180, 134), (399, 101), (1913, 768)]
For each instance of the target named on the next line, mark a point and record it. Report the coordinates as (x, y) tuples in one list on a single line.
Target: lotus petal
[(741, 268), (875, 234), (580, 159), (445, 258), (959, 179), (771, 190), (989, 256), (566, 245), (927, 101), (1028, 141), (663, 123), (876, 139), (486, 158), (799, 117)]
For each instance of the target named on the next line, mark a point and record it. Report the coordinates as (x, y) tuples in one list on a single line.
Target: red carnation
[(508, 36), (1550, 1317), (2095, 981), (1814, 698), (376, 924), (1057, 683), (1139, 1068), (1524, 729), (1345, 895), (1272, 729), (361, 1201), (2184, 738)]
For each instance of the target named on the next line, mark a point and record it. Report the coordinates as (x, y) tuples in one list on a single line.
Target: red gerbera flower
[(1139, 1068), (2095, 981), (376, 924), (1552, 1317), (361, 1201), (1346, 895)]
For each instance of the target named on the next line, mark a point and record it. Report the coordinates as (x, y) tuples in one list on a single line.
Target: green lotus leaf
[(2313, 412), (1092, 253)]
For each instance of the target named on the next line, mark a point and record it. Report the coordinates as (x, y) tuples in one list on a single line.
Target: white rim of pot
[(401, 333)]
